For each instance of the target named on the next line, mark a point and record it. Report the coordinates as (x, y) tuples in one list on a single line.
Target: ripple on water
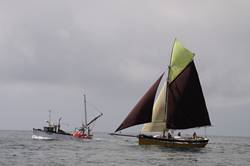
[(17, 148)]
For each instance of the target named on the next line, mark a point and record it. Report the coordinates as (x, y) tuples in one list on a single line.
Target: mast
[(169, 66), (85, 110)]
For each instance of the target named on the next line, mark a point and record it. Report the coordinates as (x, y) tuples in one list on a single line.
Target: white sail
[(158, 123)]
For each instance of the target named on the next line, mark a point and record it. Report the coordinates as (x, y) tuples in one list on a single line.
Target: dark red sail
[(186, 107), (142, 112)]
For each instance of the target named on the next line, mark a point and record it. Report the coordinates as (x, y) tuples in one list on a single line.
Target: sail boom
[(183, 128), (94, 119)]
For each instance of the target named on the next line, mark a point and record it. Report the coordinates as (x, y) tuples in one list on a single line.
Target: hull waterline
[(44, 135), (173, 142), (40, 134)]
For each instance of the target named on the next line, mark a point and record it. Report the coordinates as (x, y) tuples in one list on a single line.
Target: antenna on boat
[(85, 110), (49, 118)]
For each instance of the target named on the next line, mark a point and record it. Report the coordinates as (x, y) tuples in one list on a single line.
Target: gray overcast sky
[(51, 52)]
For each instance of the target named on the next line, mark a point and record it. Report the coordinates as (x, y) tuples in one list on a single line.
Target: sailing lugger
[(179, 105)]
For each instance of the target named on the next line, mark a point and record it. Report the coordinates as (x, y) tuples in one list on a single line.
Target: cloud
[(114, 50)]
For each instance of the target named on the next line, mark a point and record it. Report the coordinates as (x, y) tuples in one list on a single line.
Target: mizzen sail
[(142, 112)]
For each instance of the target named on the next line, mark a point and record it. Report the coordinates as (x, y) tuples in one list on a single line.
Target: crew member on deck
[(194, 135), (169, 135)]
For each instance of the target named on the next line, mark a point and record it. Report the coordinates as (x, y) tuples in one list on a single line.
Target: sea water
[(18, 148)]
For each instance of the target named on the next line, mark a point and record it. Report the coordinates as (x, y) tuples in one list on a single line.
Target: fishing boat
[(180, 105), (51, 131), (85, 131), (54, 132)]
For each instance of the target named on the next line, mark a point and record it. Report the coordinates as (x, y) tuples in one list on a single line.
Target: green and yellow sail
[(180, 58)]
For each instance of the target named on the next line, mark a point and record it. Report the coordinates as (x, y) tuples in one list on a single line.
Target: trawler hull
[(44, 135), (199, 142)]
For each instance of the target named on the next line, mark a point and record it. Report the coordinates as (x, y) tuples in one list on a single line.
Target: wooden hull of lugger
[(173, 143)]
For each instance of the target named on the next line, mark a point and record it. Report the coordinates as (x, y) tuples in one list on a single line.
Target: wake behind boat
[(40, 134), (180, 105)]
